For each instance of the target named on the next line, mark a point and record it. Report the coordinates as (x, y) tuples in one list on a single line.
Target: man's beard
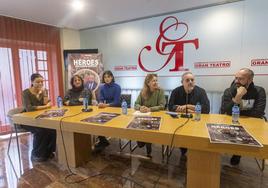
[(239, 85), (190, 88)]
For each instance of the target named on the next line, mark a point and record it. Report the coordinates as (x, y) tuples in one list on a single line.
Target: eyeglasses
[(240, 78), (189, 79)]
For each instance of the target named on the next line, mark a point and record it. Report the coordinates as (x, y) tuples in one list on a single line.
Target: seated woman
[(109, 96), (150, 99), (75, 95), (44, 140)]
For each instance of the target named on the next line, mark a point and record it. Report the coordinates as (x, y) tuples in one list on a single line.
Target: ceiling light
[(77, 5)]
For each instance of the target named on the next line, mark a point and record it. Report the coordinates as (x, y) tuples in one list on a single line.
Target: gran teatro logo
[(169, 46)]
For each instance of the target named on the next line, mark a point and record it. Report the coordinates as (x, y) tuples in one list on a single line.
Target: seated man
[(250, 98), (184, 98)]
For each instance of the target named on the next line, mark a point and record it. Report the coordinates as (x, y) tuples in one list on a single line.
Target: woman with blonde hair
[(150, 99)]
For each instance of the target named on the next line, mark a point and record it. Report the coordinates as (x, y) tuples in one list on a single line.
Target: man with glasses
[(184, 98), (250, 98)]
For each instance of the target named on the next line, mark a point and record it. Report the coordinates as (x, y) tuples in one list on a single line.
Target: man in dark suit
[(90, 82)]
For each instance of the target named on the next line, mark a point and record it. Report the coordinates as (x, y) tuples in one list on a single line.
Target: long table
[(203, 161)]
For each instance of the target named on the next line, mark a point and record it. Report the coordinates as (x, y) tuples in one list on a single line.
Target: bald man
[(250, 98)]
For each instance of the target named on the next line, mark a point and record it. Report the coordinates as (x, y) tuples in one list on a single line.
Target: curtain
[(26, 48)]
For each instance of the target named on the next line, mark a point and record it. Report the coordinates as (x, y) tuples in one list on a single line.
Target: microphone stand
[(85, 103), (186, 115)]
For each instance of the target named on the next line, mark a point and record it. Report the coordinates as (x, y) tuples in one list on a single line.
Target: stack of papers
[(138, 113)]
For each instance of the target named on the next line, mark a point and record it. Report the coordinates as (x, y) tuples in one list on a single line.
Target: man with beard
[(250, 98), (184, 98)]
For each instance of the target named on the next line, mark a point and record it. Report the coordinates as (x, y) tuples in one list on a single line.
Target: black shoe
[(51, 156), (183, 158), (183, 151), (102, 144), (38, 159), (149, 156), (235, 160), (149, 149), (141, 144)]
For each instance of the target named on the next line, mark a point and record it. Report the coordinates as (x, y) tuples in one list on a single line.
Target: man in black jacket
[(188, 94), (250, 98)]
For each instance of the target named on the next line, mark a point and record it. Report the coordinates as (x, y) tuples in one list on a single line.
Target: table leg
[(203, 169), (78, 148)]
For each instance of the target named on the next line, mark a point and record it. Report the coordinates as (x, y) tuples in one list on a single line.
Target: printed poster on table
[(231, 134), (88, 65), (145, 123), (52, 113), (101, 118)]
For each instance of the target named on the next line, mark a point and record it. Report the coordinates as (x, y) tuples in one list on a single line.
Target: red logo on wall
[(177, 44)]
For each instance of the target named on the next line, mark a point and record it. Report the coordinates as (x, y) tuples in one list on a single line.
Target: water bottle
[(85, 103), (124, 107), (198, 109), (59, 102), (235, 113)]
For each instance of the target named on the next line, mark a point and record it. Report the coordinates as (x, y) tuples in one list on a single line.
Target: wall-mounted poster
[(86, 63)]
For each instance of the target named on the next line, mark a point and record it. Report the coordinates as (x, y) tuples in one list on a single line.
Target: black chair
[(122, 146), (15, 129), (127, 98), (166, 106), (166, 150)]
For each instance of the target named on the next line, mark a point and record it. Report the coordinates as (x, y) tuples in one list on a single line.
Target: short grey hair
[(184, 74)]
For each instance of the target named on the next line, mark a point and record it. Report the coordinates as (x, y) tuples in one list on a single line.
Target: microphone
[(186, 115), (172, 114)]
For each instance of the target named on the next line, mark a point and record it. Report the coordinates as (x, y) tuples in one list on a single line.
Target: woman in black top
[(44, 140), (75, 95)]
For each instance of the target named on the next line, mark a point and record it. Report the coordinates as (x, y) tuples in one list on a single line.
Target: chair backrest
[(264, 117), (166, 106), (127, 97), (13, 112)]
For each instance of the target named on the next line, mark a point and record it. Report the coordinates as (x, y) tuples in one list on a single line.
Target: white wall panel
[(235, 32)]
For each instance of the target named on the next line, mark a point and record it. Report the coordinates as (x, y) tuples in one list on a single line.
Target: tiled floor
[(113, 169)]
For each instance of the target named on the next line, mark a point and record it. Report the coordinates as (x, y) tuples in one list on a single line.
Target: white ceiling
[(96, 12)]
